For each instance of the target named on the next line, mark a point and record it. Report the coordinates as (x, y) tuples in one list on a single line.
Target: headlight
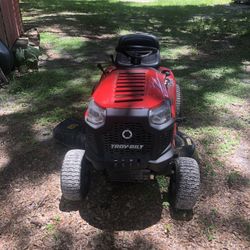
[(160, 115), (96, 115)]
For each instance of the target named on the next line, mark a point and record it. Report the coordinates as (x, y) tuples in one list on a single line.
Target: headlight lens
[(96, 115), (160, 115)]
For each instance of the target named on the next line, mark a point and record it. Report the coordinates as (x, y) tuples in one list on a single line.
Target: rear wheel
[(185, 184), (178, 100), (75, 175)]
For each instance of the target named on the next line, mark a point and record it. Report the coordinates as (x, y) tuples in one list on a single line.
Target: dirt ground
[(33, 215)]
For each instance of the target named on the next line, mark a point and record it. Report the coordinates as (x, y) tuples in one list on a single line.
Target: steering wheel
[(133, 51)]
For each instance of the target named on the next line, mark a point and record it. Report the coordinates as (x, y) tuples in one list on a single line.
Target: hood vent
[(130, 87)]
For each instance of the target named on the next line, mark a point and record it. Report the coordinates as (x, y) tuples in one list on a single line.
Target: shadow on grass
[(236, 181)]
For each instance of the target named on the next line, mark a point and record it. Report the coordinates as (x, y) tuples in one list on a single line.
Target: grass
[(168, 228), (173, 2), (205, 43), (60, 45), (210, 232), (210, 225), (163, 183), (57, 218), (166, 205), (234, 179), (50, 228), (42, 92)]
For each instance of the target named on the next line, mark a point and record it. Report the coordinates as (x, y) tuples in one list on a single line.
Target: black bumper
[(160, 165)]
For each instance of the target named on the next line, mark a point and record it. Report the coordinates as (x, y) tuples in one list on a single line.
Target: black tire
[(75, 175), (185, 184), (178, 100)]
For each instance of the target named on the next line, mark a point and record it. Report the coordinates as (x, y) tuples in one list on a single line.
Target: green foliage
[(210, 232), (20, 56), (50, 228), (234, 178), (209, 170), (57, 219), (163, 183), (166, 205), (28, 56), (168, 228)]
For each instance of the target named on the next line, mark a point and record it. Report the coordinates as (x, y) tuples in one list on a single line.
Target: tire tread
[(188, 183), (71, 175)]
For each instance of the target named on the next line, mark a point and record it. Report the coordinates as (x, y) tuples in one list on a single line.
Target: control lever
[(112, 58), (99, 66)]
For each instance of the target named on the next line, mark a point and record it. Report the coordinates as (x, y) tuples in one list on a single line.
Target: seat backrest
[(147, 40)]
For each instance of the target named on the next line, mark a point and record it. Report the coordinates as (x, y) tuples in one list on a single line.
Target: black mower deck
[(70, 133)]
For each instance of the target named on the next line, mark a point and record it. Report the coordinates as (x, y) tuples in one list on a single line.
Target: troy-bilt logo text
[(126, 146)]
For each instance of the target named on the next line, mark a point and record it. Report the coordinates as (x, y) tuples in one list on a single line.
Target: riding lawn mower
[(131, 127)]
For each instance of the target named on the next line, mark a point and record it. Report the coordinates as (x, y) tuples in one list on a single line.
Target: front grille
[(140, 137), (130, 87)]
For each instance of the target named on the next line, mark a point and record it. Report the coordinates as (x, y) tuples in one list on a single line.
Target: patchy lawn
[(206, 43)]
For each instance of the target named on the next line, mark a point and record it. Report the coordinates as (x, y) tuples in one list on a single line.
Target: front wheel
[(75, 175), (185, 184)]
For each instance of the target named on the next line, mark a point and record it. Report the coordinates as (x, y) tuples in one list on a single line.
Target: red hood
[(131, 88)]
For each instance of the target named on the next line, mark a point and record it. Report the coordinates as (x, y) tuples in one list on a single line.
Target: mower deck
[(70, 133)]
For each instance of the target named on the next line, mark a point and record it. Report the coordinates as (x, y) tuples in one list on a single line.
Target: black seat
[(140, 44)]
